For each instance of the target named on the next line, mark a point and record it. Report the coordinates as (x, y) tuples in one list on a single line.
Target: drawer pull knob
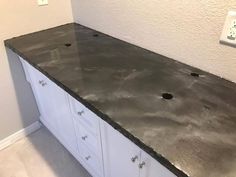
[(84, 137), (80, 113), (44, 84), (88, 157), (141, 165), (133, 159), (41, 82)]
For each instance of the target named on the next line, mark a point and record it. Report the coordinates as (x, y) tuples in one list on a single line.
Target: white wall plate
[(42, 2), (228, 35)]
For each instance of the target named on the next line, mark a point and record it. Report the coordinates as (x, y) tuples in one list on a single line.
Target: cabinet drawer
[(88, 140), (92, 162), (84, 115)]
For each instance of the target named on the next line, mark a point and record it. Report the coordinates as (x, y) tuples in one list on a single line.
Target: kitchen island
[(181, 116)]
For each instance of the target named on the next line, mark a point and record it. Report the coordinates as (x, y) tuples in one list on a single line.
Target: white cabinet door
[(152, 168), (65, 123), (54, 108), (44, 94), (121, 157)]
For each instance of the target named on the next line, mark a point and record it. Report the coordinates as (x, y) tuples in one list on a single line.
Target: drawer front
[(88, 140), (92, 162), (84, 115)]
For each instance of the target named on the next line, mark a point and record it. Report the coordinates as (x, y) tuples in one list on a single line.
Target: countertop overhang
[(183, 117)]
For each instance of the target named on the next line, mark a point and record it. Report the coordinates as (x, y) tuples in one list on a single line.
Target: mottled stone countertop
[(193, 133)]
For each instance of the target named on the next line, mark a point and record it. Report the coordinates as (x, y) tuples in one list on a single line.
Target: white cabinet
[(121, 157), (54, 108), (124, 158), (102, 150), (43, 91), (75, 126)]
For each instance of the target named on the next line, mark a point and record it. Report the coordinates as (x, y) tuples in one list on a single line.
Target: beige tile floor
[(39, 155)]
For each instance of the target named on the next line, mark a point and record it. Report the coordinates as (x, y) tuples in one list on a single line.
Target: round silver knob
[(40, 81), (133, 159), (44, 83), (141, 165), (84, 137), (88, 157), (80, 112)]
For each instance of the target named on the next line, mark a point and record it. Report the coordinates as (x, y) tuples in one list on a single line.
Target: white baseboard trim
[(19, 135)]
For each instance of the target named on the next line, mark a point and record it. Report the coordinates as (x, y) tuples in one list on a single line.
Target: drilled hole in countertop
[(68, 44), (95, 35), (195, 74), (207, 107), (167, 96)]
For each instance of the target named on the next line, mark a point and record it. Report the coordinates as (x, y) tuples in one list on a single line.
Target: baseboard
[(19, 135)]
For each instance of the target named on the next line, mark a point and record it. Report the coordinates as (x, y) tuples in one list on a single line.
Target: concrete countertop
[(183, 117)]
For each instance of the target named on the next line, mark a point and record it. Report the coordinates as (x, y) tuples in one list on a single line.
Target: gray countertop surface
[(195, 131)]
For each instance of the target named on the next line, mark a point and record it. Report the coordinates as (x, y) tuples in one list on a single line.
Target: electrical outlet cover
[(228, 35), (42, 2)]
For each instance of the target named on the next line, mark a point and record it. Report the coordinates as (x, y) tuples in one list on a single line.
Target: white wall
[(17, 17), (186, 30)]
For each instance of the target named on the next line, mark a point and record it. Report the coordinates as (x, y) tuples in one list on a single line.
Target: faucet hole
[(95, 35), (68, 44), (207, 107), (167, 96), (195, 74)]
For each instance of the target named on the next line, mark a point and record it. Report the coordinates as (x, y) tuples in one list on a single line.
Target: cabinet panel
[(44, 96), (121, 157), (24, 65), (54, 108), (152, 168), (64, 118)]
